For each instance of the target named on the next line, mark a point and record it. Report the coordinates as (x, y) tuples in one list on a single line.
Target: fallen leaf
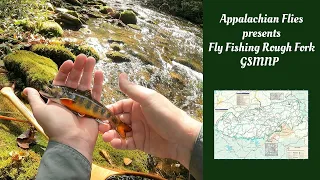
[(26, 139), (17, 156), (127, 161)]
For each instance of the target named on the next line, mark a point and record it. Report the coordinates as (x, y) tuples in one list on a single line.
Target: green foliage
[(25, 24), (20, 9), (34, 70), (128, 17), (191, 10), (57, 53), (116, 56), (50, 29)]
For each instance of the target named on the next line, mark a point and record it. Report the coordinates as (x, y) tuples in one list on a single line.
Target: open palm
[(58, 122)]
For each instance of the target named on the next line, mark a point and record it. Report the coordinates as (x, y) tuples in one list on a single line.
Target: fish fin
[(66, 101), (86, 93), (122, 129), (81, 115)]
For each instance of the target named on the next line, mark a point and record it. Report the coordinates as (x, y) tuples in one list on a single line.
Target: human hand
[(57, 121), (158, 127)]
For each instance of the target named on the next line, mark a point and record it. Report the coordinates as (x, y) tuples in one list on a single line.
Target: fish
[(82, 104)]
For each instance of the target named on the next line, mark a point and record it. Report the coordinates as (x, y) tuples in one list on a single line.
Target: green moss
[(57, 53), (50, 29), (9, 130), (128, 17), (106, 10), (116, 56), (83, 49), (134, 26), (26, 24), (139, 158), (34, 70), (115, 46), (193, 64), (4, 81)]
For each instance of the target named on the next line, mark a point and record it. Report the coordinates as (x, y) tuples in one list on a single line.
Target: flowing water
[(162, 39)]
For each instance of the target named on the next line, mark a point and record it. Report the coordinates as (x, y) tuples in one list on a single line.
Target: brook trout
[(82, 103)]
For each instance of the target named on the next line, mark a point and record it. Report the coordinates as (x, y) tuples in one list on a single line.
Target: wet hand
[(58, 122), (158, 127)]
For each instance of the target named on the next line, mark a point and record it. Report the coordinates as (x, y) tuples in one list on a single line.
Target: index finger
[(122, 106)]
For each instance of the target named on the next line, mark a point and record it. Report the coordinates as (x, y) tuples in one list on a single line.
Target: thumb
[(134, 91), (33, 98)]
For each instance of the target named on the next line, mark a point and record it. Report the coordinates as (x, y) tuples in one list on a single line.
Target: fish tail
[(122, 129)]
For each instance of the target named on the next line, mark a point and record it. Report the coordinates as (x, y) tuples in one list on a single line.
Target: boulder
[(57, 53), (50, 29), (74, 2), (117, 57), (34, 70), (106, 10), (128, 17), (83, 49), (69, 19), (115, 46)]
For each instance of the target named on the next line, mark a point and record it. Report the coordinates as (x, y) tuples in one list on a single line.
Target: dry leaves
[(18, 156), (27, 138)]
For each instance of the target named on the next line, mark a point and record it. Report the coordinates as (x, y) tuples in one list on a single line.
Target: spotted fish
[(83, 104)]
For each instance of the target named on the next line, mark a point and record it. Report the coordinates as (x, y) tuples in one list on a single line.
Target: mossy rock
[(118, 57), (115, 46), (193, 64), (128, 17), (83, 49), (145, 59), (74, 2), (50, 29), (106, 10), (34, 70), (69, 19), (57, 53), (115, 15), (134, 26)]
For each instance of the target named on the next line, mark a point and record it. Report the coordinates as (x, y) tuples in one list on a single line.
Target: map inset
[(262, 124)]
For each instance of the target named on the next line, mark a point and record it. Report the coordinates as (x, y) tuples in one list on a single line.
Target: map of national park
[(262, 124)]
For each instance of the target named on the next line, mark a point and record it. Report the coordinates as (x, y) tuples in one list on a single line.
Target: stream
[(162, 38)]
